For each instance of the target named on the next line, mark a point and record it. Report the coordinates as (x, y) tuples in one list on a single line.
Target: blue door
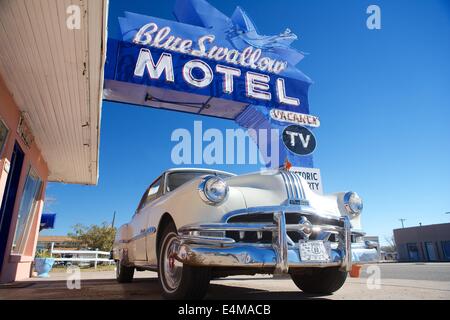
[(9, 198), (431, 252), (413, 252)]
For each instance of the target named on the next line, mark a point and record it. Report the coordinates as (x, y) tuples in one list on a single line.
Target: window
[(27, 209), (431, 252), (153, 191), (150, 194), (413, 252), (3, 135), (446, 249)]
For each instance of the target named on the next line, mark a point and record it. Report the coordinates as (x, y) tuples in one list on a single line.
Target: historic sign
[(312, 176)]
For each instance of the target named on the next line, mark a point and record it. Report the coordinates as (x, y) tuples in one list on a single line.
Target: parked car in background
[(193, 225)]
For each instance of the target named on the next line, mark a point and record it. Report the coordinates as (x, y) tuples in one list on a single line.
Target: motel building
[(51, 81)]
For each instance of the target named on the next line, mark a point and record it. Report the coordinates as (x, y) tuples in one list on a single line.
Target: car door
[(139, 224)]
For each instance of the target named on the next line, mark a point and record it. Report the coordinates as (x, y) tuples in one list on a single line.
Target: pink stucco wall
[(17, 267)]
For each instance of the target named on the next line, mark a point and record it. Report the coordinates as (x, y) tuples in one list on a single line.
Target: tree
[(391, 247), (99, 237)]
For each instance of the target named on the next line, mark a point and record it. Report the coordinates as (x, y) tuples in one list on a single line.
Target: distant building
[(423, 243), (57, 243)]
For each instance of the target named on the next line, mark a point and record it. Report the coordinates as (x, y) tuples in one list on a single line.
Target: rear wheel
[(320, 281), (124, 274), (179, 281)]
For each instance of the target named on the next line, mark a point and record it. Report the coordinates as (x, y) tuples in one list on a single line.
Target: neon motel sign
[(210, 64), (199, 73)]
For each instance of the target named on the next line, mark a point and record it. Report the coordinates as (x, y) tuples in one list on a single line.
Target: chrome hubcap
[(173, 269)]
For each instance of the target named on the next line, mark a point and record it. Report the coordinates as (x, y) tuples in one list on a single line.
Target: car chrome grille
[(265, 237)]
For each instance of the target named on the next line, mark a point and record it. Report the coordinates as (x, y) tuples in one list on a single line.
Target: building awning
[(55, 74), (47, 221)]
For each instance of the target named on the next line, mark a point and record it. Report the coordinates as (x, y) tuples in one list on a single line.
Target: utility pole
[(113, 220), (402, 220)]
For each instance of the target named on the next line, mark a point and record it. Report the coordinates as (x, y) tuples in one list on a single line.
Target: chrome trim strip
[(280, 243), (146, 232), (283, 175), (271, 209), (205, 240), (299, 185), (248, 257), (347, 241), (273, 227), (317, 228), (293, 184), (228, 227), (293, 187)]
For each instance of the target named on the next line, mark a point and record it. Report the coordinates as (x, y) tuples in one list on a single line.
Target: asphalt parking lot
[(397, 281)]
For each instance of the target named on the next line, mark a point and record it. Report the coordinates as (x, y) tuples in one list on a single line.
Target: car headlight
[(353, 203), (213, 190)]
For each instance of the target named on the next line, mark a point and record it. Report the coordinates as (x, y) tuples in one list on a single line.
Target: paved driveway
[(398, 281)]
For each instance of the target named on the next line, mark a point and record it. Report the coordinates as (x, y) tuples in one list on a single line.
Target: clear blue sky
[(383, 97)]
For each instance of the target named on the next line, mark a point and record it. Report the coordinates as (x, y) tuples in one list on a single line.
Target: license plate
[(318, 251)]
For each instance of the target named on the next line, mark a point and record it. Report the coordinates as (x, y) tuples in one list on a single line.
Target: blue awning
[(48, 221)]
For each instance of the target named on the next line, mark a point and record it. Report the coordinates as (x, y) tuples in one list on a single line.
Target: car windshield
[(177, 179)]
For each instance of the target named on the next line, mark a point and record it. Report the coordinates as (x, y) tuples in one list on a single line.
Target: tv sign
[(299, 140)]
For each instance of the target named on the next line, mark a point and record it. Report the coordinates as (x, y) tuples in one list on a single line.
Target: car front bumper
[(282, 254)]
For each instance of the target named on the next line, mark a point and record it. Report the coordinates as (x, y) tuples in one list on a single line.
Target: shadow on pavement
[(139, 289), (225, 292)]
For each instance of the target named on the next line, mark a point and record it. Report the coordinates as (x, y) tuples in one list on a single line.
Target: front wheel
[(179, 281), (320, 281)]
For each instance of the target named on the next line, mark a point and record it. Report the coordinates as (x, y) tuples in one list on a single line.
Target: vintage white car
[(193, 225)]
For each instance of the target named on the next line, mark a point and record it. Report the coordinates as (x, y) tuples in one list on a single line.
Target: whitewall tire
[(178, 281)]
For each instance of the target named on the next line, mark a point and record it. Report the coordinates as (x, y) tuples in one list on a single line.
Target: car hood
[(275, 188)]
